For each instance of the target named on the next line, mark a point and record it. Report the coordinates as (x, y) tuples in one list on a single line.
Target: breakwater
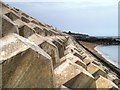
[(34, 54)]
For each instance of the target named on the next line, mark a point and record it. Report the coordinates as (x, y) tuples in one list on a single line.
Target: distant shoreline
[(90, 48), (95, 47)]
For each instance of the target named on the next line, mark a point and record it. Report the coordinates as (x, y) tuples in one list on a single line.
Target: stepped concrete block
[(117, 82), (54, 38), (19, 23), (70, 50), (32, 25), (74, 59), (70, 41), (26, 31), (0, 27), (81, 52), (96, 63), (33, 20), (54, 32), (74, 52), (96, 70), (21, 60), (81, 63), (4, 9), (47, 32), (82, 80), (37, 39), (47, 46), (88, 61), (63, 38), (0, 76), (8, 26), (17, 11), (39, 31), (37, 22), (114, 78), (60, 47), (102, 82), (41, 24), (52, 50), (66, 71), (25, 15), (24, 19), (45, 57), (60, 39), (57, 37), (12, 16), (30, 18), (84, 55), (71, 46)]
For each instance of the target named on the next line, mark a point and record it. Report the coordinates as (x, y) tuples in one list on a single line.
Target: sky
[(96, 1), (93, 17)]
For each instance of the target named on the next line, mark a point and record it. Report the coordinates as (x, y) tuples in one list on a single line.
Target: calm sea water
[(111, 53)]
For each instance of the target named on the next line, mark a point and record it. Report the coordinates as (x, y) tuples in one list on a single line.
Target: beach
[(89, 45), (95, 48)]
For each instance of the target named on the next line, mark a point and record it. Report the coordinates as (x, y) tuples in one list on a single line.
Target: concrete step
[(66, 71), (24, 64), (74, 59), (96, 70), (102, 82)]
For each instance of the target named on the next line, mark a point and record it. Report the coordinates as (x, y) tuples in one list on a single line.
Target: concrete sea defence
[(36, 55)]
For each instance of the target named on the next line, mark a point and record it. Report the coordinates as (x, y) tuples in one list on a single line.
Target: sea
[(111, 53)]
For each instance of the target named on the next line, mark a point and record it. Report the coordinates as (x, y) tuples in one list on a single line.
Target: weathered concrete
[(26, 31), (37, 39), (8, 26), (74, 52), (74, 59), (88, 61), (60, 48), (40, 56), (39, 30), (47, 46), (12, 16), (73, 75), (22, 63), (19, 23), (96, 70), (102, 82), (65, 71), (24, 19), (52, 50), (96, 63), (114, 79), (0, 20), (82, 80)]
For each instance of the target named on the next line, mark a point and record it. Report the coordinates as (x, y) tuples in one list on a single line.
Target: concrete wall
[(36, 55)]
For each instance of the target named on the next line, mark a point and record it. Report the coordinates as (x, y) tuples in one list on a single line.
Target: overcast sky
[(93, 17), (98, 1)]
